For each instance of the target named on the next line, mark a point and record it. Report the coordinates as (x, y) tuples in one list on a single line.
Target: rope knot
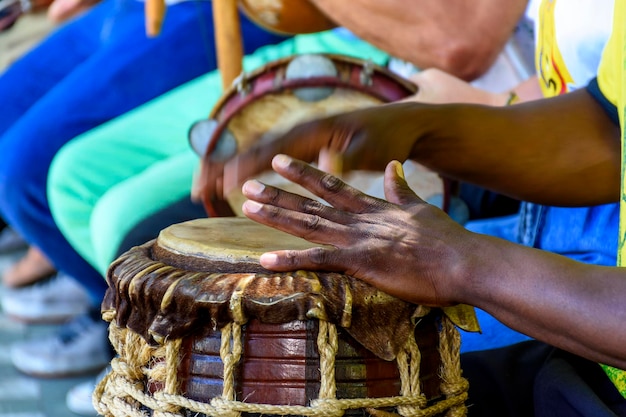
[(454, 388), (327, 407), (223, 407)]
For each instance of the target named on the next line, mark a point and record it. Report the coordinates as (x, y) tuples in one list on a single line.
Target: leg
[(138, 74), (586, 234), (569, 386), (501, 380), (87, 168), (29, 78), (110, 220), (180, 211), (99, 161)]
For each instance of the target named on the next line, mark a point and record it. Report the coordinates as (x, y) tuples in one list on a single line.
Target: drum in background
[(292, 90), (200, 327), (286, 16)]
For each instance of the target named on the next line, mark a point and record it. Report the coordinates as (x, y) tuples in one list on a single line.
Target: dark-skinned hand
[(366, 139), (403, 246), (414, 251)]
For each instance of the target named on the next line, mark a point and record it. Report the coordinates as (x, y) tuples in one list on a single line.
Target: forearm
[(439, 87), (549, 297), (459, 37), (561, 151), (412, 250)]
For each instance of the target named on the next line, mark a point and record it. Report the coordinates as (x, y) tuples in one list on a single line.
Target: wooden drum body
[(200, 327)]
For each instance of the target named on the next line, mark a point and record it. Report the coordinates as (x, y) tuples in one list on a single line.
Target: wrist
[(470, 277)]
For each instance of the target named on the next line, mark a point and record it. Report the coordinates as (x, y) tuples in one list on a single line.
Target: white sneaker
[(81, 346), (79, 398), (53, 300)]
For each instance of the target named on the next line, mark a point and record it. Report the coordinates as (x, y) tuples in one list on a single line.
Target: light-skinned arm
[(460, 37), (438, 87)]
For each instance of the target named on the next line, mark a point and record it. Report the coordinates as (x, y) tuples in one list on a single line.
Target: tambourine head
[(287, 17), (272, 99)]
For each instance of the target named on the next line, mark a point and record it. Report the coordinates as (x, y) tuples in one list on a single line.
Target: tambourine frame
[(365, 77), (361, 75)]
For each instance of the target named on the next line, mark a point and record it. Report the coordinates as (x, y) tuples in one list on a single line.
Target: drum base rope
[(122, 392)]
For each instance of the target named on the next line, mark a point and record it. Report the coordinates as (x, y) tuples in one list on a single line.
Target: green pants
[(109, 179)]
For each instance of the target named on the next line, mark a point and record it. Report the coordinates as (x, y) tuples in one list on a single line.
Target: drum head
[(227, 244)]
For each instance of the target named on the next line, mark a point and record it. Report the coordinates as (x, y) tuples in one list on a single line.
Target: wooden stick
[(228, 42), (154, 14)]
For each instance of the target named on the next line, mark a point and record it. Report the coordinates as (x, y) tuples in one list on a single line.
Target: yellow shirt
[(612, 85), (554, 76)]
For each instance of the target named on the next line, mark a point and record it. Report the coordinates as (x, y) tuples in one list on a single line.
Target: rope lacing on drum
[(123, 391)]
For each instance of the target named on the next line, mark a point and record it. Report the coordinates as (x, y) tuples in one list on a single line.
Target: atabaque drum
[(289, 91), (201, 328)]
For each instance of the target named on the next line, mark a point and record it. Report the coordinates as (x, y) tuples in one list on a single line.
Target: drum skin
[(287, 17)]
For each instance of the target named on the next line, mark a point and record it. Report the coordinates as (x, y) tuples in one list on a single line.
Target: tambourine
[(292, 90)]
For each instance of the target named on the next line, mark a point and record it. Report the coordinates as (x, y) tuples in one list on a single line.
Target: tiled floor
[(21, 395)]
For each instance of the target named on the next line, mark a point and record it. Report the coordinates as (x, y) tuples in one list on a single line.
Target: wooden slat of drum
[(280, 365)]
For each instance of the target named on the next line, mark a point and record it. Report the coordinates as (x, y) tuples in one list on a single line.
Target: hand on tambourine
[(363, 139), (439, 87), (403, 246)]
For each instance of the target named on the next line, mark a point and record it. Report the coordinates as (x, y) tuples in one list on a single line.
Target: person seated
[(586, 234), (107, 181), (415, 252), (80, 76)]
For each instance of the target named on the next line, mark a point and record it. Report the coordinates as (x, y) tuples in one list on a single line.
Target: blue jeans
[(89, 71), (585, 234)]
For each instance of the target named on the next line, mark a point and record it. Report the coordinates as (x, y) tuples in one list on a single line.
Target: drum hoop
[(384, 85)]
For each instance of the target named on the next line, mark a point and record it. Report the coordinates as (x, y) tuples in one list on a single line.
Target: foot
[(34, 266), (53, 300), (80, 347)]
